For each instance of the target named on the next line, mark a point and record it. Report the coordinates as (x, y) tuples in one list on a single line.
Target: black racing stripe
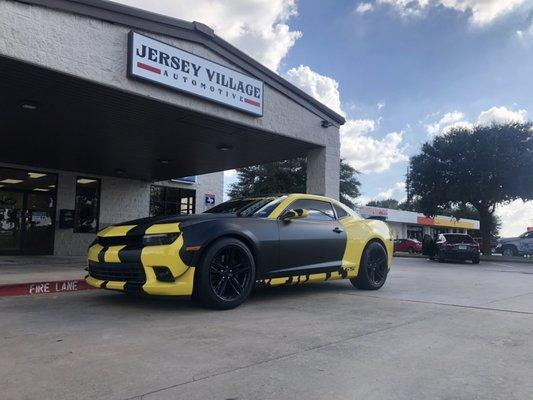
[(133, 287), (306, 278), (138, 230), (101, 254), (289, 280), (328, 275), (103, 285), (130, 254)]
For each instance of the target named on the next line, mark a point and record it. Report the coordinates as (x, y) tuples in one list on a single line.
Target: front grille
[(128, 272), (134, 240)]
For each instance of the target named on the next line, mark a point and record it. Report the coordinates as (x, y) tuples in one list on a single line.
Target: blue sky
[(401, 71), (418, 67)]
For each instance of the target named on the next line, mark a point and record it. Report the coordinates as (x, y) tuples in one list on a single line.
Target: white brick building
[(96, 120)]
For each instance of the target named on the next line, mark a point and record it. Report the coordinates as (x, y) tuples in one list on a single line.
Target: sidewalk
[(30, 275)]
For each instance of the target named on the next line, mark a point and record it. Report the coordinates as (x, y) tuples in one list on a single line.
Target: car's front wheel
[(227, 274), (509, 251), (373, 269)]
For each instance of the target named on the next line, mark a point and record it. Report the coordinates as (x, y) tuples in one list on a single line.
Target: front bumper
[(132, 269), (182, 286)]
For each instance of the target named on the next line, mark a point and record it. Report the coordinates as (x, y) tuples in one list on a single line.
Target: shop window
[(87, 205), (168, 200), (414, 232)]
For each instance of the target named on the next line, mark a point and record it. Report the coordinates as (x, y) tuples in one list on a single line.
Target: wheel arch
[(368, 243), (235, 235)]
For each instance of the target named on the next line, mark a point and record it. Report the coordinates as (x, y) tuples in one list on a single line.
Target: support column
[(323, 170)]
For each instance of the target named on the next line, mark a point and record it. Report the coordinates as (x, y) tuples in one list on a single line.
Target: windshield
[(248, 207)]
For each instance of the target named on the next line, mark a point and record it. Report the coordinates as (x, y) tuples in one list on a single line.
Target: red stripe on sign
[(35, 288), (148, 67), (252, 102)]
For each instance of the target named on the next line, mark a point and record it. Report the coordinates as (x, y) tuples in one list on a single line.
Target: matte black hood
[(168, 219)]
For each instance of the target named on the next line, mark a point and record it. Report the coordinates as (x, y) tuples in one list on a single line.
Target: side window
[(341, 212), (318, 210), (529, 235)]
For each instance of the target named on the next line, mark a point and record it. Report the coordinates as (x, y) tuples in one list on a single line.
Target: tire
[(509, 251), (475, 260), (441, 258), (373, 269), (227, 275), (410, 250)]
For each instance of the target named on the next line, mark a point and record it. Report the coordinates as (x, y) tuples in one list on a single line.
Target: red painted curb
[(37, 288)]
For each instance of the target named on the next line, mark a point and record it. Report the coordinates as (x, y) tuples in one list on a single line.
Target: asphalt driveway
[(434, 331)]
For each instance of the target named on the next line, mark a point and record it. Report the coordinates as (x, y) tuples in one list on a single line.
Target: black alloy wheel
[(227, 274), (373, 269)]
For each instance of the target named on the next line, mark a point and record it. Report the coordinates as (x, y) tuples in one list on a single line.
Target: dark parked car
[(456, 246), (407, 245)]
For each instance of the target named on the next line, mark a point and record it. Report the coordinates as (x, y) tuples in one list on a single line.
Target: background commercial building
[(412, 225), (102, 105)]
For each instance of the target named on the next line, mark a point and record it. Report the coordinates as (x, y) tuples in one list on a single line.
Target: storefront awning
[(52, 120)]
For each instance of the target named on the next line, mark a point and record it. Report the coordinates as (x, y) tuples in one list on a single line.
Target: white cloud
[(380, 105), (397, 191), (364, 7), (364, 152), (454, 119), (367, 154), (322, 88), (258, 27), (516, 217), (501, 115), (482, 11)]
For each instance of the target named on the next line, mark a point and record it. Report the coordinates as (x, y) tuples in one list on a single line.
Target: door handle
[(337, 230)]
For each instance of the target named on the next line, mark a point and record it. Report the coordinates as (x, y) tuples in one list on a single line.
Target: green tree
[(483, 167), (289, 176)]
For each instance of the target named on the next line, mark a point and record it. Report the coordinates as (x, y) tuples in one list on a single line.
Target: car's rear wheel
[(373, 269), (475, 260), (227, 274), (410, 250)]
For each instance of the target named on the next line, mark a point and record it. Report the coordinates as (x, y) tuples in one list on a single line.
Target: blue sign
[(209, 199), (190, 180)]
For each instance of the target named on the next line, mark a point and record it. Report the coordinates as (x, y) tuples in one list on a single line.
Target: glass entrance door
[(38, 237), (27, 211), (11, 212)]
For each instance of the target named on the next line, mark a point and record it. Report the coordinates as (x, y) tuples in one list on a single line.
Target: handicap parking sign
[(209, 199)]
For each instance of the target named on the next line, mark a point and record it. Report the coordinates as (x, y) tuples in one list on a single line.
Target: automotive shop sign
[(157, 62)]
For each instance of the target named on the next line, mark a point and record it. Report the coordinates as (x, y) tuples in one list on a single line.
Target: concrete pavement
[(435, 331)]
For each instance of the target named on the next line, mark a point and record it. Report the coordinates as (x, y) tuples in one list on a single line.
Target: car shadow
[(186, 304)]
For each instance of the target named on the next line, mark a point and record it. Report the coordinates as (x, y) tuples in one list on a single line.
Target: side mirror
[(294, 214)]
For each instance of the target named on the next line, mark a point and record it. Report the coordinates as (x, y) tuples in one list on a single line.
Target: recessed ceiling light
[(41, 190), (119, 171), (2, 185), (164, 160), (224, 147), (29, 105), (35, 175), (11, 181), (51, 186), (84, 181)]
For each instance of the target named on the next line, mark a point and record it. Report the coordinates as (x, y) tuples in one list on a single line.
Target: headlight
[(159, 239)]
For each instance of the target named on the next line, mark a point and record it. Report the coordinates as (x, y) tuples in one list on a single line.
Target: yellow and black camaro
[(219, 256)]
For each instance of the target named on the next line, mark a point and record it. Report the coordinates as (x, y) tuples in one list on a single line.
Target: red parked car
[(407, 245)]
